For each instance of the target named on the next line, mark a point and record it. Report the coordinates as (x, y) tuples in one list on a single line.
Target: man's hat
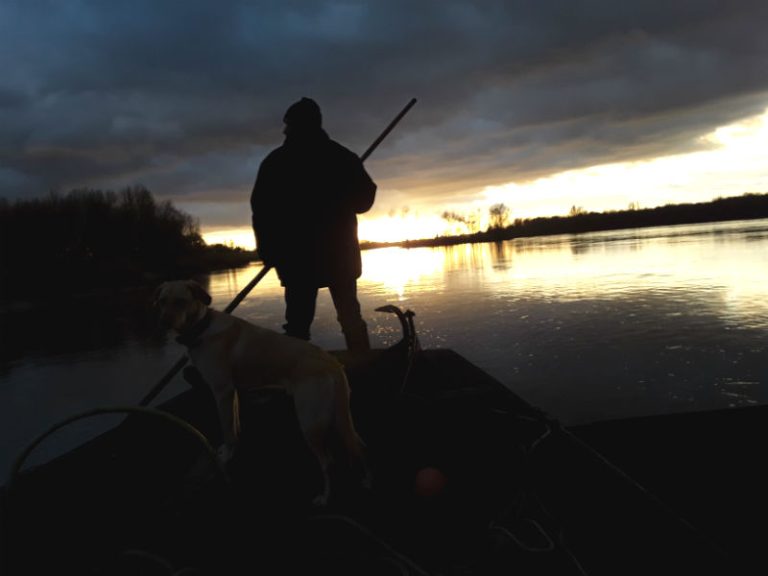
[(304, 114)]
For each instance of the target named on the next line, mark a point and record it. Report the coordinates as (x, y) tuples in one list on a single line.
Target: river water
[(587, 327)]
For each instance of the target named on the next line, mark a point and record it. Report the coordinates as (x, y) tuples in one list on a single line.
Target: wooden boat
[(504, 490)]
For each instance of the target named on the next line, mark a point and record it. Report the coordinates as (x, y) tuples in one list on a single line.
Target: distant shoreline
[(745, 207)]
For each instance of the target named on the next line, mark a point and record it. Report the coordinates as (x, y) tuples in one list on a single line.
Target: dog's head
[(180, 303)]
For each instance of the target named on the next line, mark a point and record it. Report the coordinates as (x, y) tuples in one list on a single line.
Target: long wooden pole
[(387, 130), (181, 362)]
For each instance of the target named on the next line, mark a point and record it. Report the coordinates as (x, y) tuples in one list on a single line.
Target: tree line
[(89, 238), (502, 227), (744, 207)]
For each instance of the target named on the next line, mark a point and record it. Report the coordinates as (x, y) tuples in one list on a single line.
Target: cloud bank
[(187, 97)]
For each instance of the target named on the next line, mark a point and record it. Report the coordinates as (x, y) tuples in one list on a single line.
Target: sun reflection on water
[(563, 268), (395, 270)]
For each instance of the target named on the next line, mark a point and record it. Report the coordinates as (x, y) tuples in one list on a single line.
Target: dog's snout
[(171, 311), (166, 315)]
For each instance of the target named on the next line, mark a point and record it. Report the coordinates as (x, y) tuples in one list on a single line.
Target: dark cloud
[(186, 97)]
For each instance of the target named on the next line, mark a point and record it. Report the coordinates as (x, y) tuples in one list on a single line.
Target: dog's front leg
[(222, 386)]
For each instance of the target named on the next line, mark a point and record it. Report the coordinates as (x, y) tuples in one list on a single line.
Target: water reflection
[(500, 254), (393, 270), (223, 286), (595, 265), (76, 325)]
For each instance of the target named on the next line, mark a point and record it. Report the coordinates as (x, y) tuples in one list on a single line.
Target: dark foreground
[(522, 495)]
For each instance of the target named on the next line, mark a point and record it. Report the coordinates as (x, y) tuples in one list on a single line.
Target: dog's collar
[(191, 336)]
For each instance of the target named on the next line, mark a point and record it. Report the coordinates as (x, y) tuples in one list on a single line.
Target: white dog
[(234, 356)]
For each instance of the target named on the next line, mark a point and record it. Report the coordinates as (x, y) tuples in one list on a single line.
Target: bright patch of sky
[(734, 161)]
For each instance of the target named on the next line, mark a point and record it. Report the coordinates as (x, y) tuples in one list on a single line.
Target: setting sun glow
[(240, 237), (732, 160), (389, 270), (401, 227)]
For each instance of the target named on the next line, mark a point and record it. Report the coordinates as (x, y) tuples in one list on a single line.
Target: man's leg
[(300, 303), (353, 326)]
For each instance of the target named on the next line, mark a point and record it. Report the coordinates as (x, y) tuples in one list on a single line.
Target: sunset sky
[(539, 105)]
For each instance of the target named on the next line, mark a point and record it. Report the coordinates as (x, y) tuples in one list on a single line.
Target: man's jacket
[(304, 204)]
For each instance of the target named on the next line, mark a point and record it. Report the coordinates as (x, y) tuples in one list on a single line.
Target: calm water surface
[(587, 327)]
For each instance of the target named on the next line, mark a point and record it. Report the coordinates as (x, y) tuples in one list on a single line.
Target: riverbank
[(87, 241), (36, 283)]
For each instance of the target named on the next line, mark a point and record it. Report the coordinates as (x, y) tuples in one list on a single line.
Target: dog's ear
[(198, 292)]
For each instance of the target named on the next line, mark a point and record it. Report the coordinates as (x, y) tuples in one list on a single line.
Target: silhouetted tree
[(471, 221), (499, 214), (93, 237)]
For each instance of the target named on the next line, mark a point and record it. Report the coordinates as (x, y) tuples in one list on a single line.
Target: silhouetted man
[(304, 205)]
